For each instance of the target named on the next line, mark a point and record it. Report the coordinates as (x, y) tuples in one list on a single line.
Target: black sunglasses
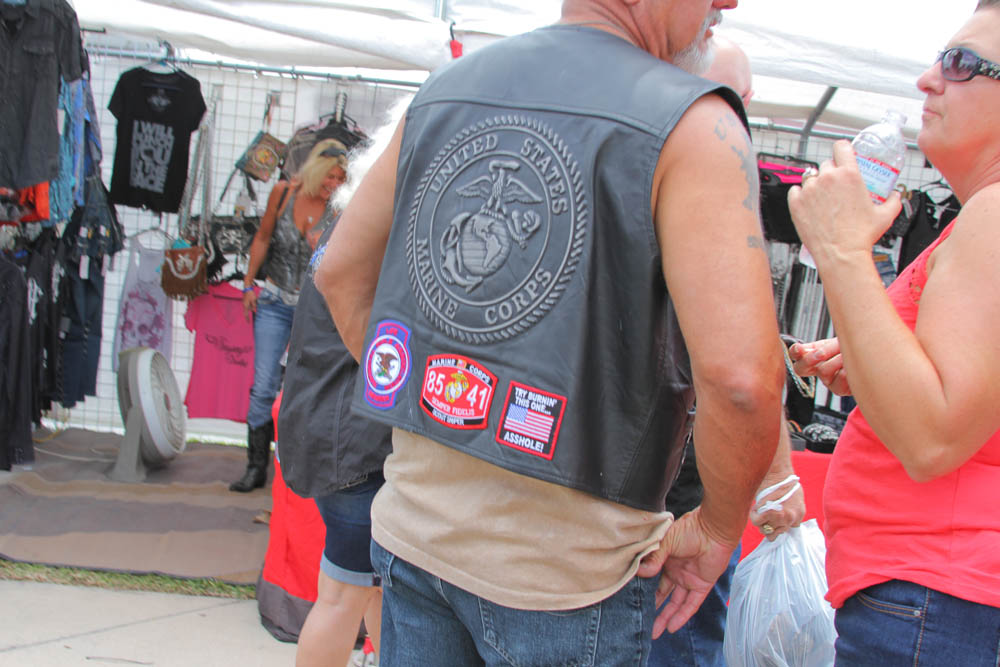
[(332, 151), (962, 64)]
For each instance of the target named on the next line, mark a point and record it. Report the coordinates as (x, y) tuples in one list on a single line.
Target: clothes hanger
[(163, 64), (939, 186), (944, 200), (337, 117), (938, 183), (155, 229)]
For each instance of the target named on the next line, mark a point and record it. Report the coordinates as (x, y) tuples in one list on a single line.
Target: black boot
[(258, 456)]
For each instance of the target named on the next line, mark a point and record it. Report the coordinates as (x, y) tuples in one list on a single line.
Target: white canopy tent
[(800, 50), (871, 52)]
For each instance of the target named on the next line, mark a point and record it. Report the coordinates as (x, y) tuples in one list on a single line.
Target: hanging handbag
[(262, 157), (778, 173), (183, 274), (266, 151), (232, 234)]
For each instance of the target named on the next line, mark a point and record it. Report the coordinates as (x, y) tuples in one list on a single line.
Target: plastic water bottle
[(881, 150)]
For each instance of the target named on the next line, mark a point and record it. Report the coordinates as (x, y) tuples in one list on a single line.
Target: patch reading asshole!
[(387, 364), (531, 420), (496, 229), (457, 391)]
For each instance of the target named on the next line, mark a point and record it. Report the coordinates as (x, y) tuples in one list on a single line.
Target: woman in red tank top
[(913, 559)]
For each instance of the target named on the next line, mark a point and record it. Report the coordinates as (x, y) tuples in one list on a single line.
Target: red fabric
[(811, 468), (36, 199), (785, 173), (882, 525), (297, 537)]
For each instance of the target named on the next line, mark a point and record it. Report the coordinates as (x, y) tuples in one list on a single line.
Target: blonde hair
[(317, 166)]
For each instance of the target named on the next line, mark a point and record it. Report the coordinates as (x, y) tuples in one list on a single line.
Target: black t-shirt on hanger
[(157, 113)]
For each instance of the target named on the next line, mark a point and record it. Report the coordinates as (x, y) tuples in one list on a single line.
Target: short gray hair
[(987, 4)]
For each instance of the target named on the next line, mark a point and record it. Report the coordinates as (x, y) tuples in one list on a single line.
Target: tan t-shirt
[(512, 539)]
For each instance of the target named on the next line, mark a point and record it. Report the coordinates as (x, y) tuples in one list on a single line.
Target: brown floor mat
[(181, 521)]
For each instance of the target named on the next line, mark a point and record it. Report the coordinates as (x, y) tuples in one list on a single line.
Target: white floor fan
[(153, 411)]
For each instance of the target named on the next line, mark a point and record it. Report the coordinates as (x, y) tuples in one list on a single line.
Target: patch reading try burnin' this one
[(531, 420), (496, 229)]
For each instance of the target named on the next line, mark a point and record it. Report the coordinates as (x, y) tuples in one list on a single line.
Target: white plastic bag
[(777, 615)]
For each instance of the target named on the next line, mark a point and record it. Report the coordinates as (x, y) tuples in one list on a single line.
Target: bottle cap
[(895, 117)]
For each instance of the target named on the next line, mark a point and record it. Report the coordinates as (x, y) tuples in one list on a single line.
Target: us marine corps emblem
[(496, 229)]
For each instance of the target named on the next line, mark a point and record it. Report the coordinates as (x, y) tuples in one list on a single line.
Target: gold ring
[(767, 529), (810, 172)]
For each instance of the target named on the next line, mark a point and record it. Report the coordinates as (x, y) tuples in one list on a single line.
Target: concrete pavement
[(53, 625)]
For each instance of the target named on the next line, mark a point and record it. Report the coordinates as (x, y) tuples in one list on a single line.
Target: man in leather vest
[(572, 249)]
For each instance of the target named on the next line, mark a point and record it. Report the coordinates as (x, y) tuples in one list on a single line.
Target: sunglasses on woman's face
[(332, 151), (962, 64)]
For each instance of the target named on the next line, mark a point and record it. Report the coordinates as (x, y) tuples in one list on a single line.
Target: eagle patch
[(387, 364)]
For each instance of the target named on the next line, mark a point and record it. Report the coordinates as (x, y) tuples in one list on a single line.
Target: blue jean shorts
[(347, 516)]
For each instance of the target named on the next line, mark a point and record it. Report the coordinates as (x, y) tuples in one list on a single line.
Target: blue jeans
[(347, 514), (272, 325), (426, 621), (699, 642), (899, 623)]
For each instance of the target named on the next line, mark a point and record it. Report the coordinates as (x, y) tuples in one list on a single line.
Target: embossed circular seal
[(496, 229)]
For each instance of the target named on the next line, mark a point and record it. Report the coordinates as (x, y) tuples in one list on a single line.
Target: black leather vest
[(323, 447), (521, 315)]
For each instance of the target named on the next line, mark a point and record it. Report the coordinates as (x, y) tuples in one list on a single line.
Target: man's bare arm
[(718, 276), (705, 203)]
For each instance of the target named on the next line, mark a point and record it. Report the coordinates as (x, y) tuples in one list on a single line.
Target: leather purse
[(262, 157), (184, 273), (777, 176)]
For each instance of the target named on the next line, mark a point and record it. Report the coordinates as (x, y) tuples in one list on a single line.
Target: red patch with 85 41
[(457, 391)]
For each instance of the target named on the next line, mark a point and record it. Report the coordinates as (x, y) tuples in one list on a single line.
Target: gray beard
[(697, 58)]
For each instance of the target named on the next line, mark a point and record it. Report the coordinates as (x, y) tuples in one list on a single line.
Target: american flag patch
[(528, 422), (531, 420)]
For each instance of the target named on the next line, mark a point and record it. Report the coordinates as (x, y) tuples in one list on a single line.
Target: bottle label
[(879, 177)]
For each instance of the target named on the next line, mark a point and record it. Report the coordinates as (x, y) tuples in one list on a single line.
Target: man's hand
[(688, 562), (778, 520)]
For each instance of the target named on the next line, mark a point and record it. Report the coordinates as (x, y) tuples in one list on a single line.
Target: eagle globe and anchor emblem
[(476, 245), (486, 275)]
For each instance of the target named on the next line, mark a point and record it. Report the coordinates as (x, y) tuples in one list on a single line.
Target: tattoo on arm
[(720, 128), (729, 128)]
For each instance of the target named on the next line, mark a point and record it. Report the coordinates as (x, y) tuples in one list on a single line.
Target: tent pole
[(824, 102), (770, 126), (441, 9), (289, 71)]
